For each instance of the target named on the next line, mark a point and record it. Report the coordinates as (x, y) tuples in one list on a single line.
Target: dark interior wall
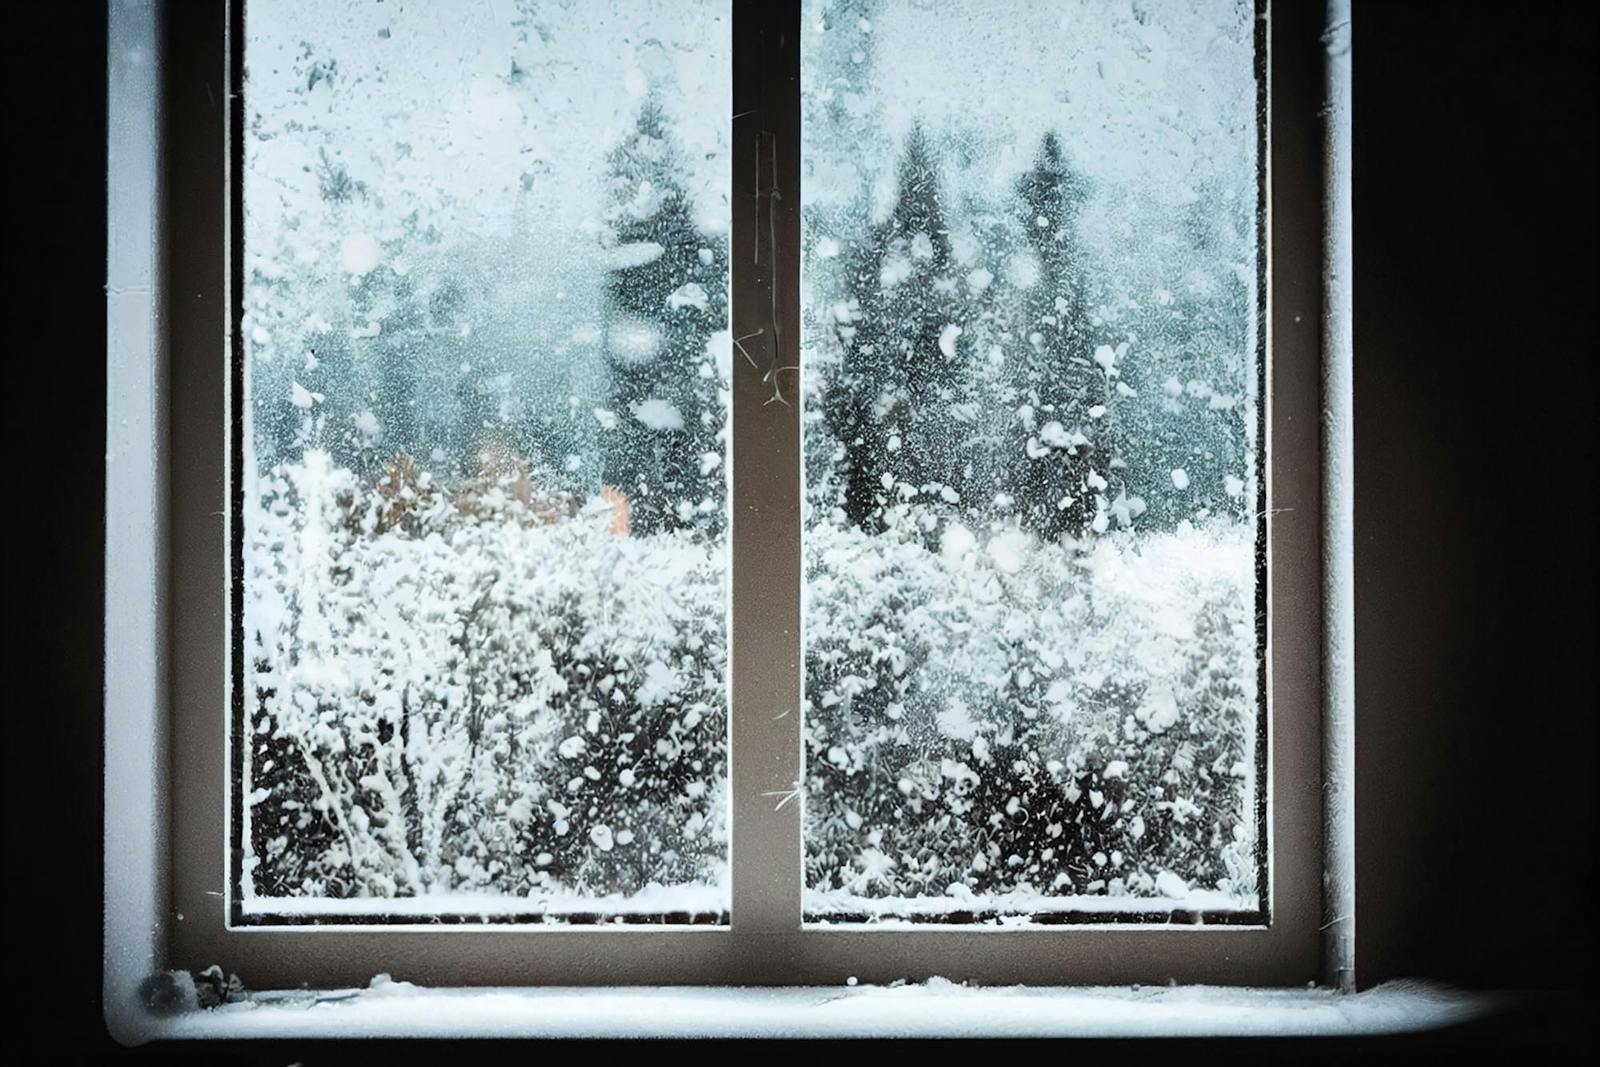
[(52, 358), (1475, 340), (1475, 343)]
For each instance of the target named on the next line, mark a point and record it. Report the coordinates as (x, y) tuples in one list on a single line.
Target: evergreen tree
[(1058, 481), (890, 407), (989, 334), (668, 295), (1191, 375)]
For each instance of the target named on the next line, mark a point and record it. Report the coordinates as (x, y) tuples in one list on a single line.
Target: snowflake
[(872, 866)]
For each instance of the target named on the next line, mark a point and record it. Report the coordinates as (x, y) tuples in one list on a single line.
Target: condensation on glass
[(483, 540), (1033, 682)]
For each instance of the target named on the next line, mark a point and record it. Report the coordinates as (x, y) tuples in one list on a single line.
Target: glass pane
[(484, 532), (1033, 674)]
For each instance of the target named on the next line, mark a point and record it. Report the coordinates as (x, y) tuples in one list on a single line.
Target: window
[(867, 526), (1032, 434), (483, 545)]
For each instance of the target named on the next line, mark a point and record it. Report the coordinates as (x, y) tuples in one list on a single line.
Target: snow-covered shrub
[(496, 700), (1007, 716)]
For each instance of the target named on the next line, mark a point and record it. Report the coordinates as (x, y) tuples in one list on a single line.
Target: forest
[(486, 521)]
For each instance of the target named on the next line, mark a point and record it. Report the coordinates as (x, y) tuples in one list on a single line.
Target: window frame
[(169, 591)]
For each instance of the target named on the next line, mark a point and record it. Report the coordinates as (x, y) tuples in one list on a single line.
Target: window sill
[(936, 1009)]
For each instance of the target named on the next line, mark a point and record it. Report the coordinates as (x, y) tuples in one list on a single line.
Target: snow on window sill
[(938, 1008)]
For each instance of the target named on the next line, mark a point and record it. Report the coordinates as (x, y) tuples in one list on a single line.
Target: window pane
[(484, 532), (1033, 673)]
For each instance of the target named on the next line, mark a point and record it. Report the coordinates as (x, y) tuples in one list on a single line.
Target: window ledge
[(938, 1008)]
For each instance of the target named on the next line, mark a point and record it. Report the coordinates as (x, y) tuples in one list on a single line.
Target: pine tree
[(668, 295), (1191, 375), (989, 334), (1060, 478), (890, 406)]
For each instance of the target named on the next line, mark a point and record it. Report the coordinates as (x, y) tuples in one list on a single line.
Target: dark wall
[(52, 491), (1475, 280), (1475, 287)]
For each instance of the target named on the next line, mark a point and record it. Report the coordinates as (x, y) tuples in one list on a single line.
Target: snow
[(961, 632), (895, 270), (1180, 478), (1056, 627), (1173, 898), (1022, 270), (359, 254), (1169, 884), (1159, 710), (658, 414), (958, 542), (1008, 550), (491, 107), (947, 340), (719, 350), (1055, 435), (661, 683), (470, 156), (689, 295), (634, 340), (653, 900), (955, 722), (356, 628), (936, 1007), (636, 254)]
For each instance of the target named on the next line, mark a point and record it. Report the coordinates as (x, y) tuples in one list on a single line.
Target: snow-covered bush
[(502, 700), (517, 700), (1008, 716)]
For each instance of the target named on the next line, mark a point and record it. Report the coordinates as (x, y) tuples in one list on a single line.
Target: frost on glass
[(484, 528), (1029, 283)]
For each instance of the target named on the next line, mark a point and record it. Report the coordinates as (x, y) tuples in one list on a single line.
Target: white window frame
[(167, 714)]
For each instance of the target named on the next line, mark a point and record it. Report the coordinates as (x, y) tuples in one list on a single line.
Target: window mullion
[(766, 764)]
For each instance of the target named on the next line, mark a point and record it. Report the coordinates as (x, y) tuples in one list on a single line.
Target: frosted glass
[(1031, 450), (485, 556)]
